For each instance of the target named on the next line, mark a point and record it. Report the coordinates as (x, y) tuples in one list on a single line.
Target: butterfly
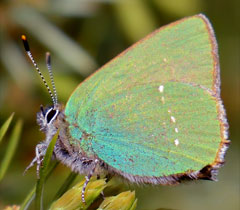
[(151, 115)]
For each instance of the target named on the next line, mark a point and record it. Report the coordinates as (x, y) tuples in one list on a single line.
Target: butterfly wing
[(155, 111)]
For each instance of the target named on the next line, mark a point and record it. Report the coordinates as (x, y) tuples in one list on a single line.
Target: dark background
[(83, 35)]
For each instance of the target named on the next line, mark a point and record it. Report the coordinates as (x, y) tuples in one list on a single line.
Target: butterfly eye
[(51, 115)]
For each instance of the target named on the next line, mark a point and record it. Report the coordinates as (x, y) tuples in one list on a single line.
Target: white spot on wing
[(173, 119), (176, 142), (161, 88)]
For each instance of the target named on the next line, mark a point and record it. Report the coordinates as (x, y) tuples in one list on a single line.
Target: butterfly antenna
[(49, 67), (27, 48)]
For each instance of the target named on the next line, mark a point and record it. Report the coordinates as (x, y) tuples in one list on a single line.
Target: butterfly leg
[(30, 165), (87, 179), (40, 151)]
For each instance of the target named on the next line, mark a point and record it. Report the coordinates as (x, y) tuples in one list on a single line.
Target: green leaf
[(5, 126), (124, 201), (44, 173), (72, 199), (12, 145), (30, 197), (28, 200)]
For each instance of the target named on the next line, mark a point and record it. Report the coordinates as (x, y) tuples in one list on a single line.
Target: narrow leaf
[(72, 199), (28, 200), (43, 173), (31, 195), (12, 145), (5, 126), (125, 201)]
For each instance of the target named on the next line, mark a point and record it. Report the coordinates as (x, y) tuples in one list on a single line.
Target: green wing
[(154, 111)]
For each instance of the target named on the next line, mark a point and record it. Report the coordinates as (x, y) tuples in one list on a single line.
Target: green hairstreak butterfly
[(152, 115)]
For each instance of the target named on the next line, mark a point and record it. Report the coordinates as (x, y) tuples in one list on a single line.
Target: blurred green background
[(82, 35)]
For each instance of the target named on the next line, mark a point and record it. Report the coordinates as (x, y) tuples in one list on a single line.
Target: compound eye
[(51, 115)]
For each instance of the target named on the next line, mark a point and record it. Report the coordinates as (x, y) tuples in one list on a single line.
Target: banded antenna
[(49, 67), (27, 49)]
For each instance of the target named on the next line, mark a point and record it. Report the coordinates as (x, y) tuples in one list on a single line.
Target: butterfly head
[(46, 118)]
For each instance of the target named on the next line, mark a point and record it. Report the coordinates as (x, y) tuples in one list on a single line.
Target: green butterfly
[(152, 115)]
